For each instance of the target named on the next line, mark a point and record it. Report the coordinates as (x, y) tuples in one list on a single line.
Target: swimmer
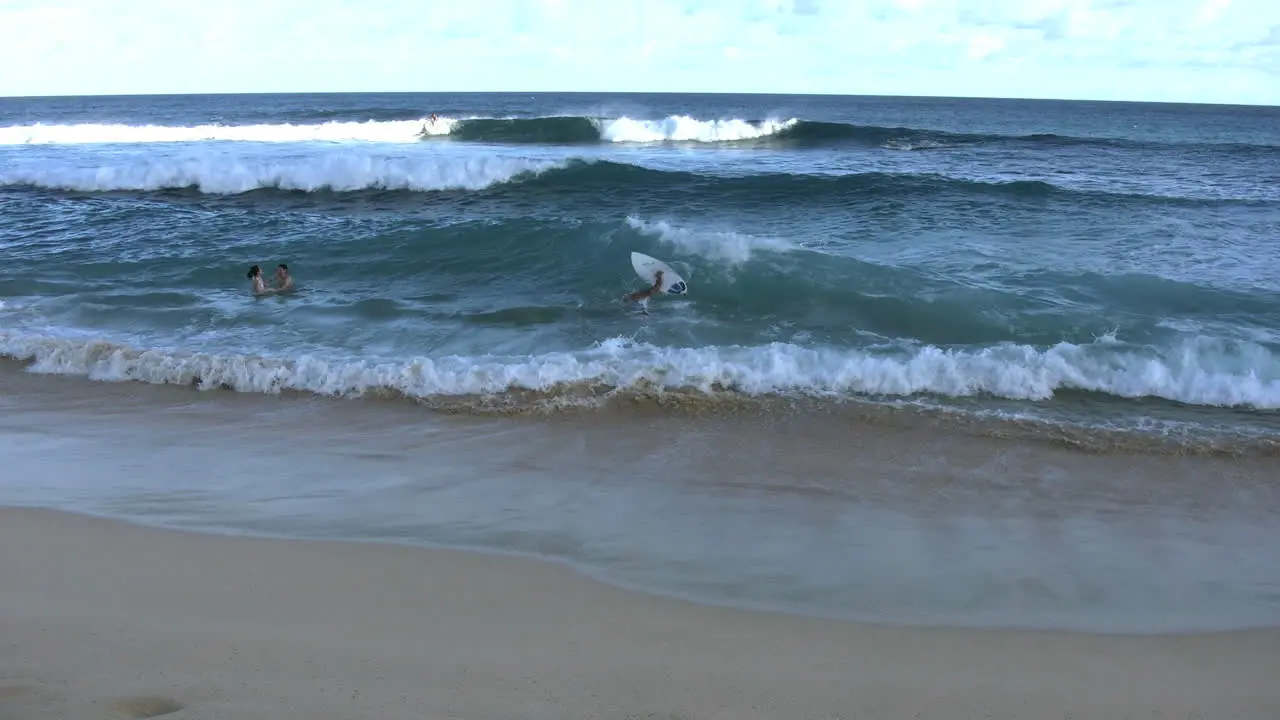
[(259, 287), (283, 280)]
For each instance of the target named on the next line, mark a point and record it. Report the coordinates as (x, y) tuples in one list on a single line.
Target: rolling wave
[(388, 127), (222, 175), (549, 130), (397, 131), (354, 172), (1202, 372)]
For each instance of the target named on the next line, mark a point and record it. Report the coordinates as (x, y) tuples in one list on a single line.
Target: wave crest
[(549, 130), (682, 128), (389, 127), (221, 175), (1205, 372), (354, 170), (396, 131), (721, 245)]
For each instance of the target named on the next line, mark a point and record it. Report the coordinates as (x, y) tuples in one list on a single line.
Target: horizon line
[(636, 92)]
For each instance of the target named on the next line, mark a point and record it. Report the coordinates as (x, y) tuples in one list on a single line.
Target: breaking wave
[(398, 131), (222, 175), (352, 171), (555, 130), (1204, 372)]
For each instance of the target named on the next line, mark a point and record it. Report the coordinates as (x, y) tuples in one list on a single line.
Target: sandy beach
[(100, 618)]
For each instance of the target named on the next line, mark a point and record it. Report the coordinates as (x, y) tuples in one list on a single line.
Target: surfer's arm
[(647, 292), (657, 283)]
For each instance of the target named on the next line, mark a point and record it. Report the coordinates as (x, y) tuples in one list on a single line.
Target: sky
[(1214, 51)]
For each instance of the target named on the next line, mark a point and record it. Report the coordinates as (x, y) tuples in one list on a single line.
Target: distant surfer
[(647, 293), (283, 280), (259, 287)]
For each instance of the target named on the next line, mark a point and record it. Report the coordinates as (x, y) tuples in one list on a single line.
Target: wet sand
[(101, 618)]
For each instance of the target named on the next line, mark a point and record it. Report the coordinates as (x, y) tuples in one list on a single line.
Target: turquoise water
[(1100, 264)]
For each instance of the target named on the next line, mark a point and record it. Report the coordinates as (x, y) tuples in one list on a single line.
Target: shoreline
[(890, 523), (602, 576), (1080, 421), (265, 628)]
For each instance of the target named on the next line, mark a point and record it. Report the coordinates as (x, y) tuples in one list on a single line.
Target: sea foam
[(397, 131), (1202, 372), (344, 171), (720, 245), (676, 128), (682, 128)]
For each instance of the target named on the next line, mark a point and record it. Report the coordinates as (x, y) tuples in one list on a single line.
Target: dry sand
[(105, 619)]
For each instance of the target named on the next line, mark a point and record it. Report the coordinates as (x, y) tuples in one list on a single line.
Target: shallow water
[(890, 518)]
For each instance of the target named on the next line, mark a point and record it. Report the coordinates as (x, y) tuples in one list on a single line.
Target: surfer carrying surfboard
[(666, 281), (647, 292)]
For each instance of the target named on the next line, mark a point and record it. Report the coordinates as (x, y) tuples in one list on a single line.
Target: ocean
[(877, 287)]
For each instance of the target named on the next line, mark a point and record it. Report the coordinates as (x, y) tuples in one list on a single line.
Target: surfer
[(259, 287), (647, 292), (283, 280)]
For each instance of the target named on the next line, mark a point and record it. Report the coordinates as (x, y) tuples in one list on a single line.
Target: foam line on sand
[(100, 618)]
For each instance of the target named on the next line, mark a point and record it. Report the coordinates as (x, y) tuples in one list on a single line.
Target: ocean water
[(1002, 253), (1099, 276)]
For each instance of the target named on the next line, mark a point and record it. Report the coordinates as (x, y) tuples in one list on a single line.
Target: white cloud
[(1211, 10), (1180, 50), (982, 45)]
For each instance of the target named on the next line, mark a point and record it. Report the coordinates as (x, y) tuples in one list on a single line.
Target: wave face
[(769, 132), (603, 176), (1105, 265)]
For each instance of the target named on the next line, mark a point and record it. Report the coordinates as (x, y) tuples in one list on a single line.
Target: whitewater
[(941, 361), (676, 128)]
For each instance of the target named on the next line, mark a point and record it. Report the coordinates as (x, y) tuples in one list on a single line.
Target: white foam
[(395, 131), (676, 128), (720, 245), (344, 171), (905, 144), (682, 128), (1201, 373)]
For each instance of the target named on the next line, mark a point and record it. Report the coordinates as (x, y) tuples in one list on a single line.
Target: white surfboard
[(647, 268)]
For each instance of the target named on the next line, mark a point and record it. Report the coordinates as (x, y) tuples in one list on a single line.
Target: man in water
[(283, 280), (647, 292)]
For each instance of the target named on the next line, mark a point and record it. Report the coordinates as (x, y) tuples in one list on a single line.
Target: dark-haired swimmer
[(283, 280), (259, 287)]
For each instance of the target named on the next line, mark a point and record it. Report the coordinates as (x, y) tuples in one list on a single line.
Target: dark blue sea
[(1101, 277)]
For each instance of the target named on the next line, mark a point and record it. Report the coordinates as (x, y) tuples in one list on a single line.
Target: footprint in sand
[(13, 691), (145, 706)]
